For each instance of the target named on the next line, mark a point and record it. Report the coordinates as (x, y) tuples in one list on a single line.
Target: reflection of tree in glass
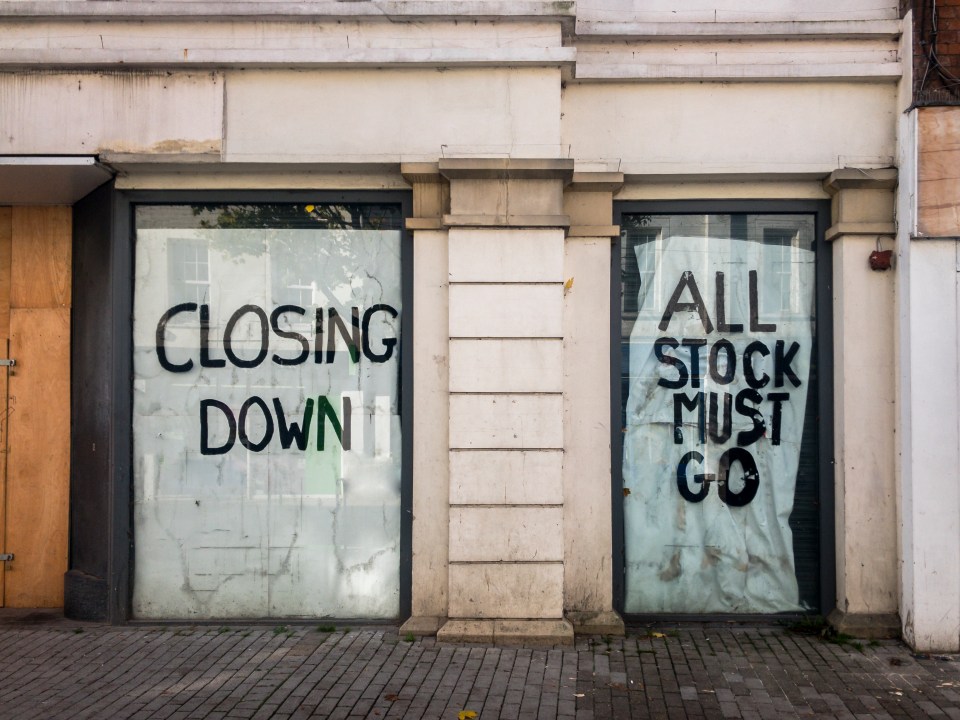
[(293, 262), (632, 223), (355, 216)]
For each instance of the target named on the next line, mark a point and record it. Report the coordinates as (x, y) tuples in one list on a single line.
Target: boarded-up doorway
[(35, 249)]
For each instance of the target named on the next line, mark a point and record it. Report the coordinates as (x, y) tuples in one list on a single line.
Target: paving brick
[(696, 671)]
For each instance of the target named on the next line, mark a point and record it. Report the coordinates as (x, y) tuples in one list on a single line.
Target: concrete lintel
[(506, 220), (860, 179), (596, 181), (591, 231), (606, 622), (506, 168), (421, 626), (860, 228), (871, 626), (529, 633)]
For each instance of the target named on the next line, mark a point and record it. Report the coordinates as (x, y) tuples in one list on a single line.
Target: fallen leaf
[(466, 714), (657, 635), (568, 284), (626, 491), (391, 697), (309, 208), (616, 686)]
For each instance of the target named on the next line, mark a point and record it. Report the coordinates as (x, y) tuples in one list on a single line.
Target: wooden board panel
[(938, 171), (38, 462), (41, 257), (6, 233)]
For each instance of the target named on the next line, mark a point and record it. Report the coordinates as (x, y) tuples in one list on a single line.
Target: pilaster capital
[(860, 179)]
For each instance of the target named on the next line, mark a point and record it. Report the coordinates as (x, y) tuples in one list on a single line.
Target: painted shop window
[(718, 384), (266, 411)]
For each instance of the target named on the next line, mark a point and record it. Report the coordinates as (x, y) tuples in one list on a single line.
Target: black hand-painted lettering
[(293, 432), (318, 337), (751, 477), (755, 325), (748, 371), (703, 480), (658, 350), (681, 401), (722, 325), (687, 281), (777, 399), (694, 344), (205, 359), (351, 337), (205, 448), (289, 334), (264, 336), (388, 343), (781, 363), (162, 338), (242, 424), (746, 437), (730, 366), (720, 436)]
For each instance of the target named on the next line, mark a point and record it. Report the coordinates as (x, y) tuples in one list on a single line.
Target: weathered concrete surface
[(55, 669)]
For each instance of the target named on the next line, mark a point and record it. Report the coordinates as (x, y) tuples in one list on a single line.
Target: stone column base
[(421, 626), (536, 633), (871, 626), (607, 622)]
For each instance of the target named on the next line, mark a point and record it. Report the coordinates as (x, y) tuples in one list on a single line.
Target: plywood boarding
[(6, 219), (938, 172), (41, 257), (38, 472)]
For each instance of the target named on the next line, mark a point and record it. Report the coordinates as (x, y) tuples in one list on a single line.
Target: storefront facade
[(506, 325)]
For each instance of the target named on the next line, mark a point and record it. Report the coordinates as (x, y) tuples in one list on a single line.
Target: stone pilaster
[(587, 487), (506, 230), (431, 509), (864, 313)]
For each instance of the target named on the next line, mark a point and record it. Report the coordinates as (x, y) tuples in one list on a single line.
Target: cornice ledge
[(385, 10)]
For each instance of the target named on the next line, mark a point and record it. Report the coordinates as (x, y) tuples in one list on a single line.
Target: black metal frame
[(824, 353), (123, 248)]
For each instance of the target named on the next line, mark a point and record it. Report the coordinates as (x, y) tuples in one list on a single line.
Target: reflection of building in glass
[(188, 270)]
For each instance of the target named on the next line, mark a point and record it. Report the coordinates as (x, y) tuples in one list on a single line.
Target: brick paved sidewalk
[(63, 671)]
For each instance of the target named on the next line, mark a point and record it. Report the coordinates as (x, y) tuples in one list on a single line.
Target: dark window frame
[(121, 571), (824, 354)]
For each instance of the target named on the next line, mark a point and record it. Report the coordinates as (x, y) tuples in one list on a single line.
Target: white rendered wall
[(929, 421), (697, 128), (391, 115)]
